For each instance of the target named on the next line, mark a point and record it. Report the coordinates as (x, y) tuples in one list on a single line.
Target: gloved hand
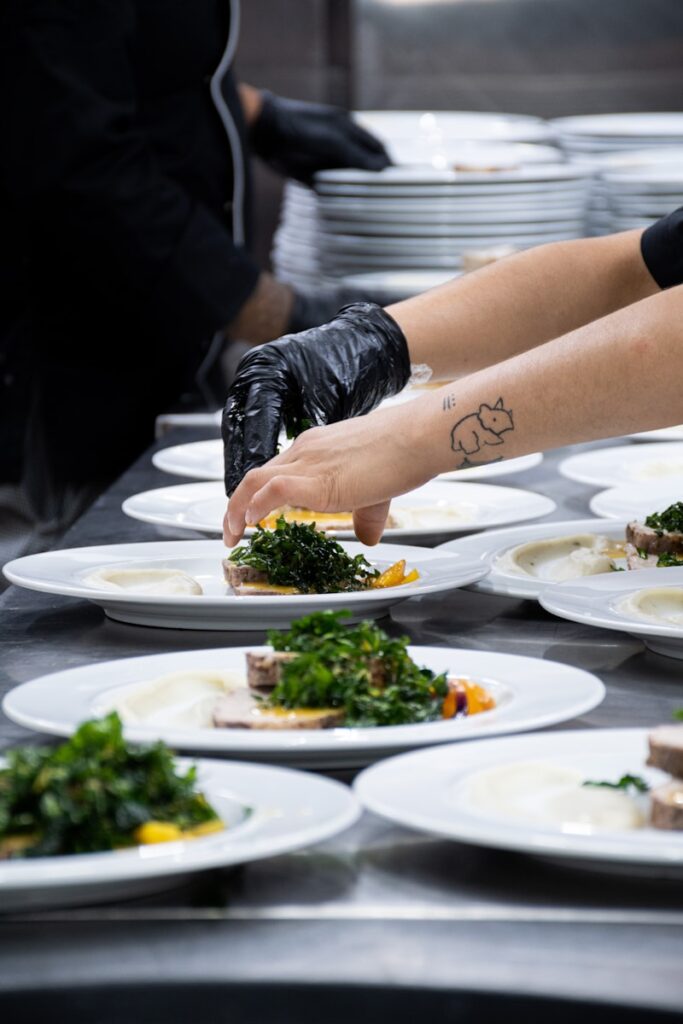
[(297, 139), (342, 369)]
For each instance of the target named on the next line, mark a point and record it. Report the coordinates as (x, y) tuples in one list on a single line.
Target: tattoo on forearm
[(448, 403), (482, 429)]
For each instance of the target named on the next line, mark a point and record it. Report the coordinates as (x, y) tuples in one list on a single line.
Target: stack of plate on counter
[(461, 182), (422, 219), (596, 134)]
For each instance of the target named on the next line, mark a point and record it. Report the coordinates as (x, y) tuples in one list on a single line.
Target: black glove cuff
[(380, 327)]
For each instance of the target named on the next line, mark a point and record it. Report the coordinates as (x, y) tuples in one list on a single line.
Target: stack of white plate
[(608, 210), (635, 197), (595, 134), (423, 219)]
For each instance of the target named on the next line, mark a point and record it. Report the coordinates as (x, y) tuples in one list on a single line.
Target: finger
[(229, 538), (369, 523), (233, 442), (280, 489), (261, 423)]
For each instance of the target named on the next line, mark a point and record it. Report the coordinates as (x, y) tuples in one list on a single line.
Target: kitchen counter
[(378, 905)]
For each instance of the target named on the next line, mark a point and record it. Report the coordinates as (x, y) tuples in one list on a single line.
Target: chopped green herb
[(670, 519), (298, 555), (360, 669), (91, 793), (667, 558), (642, 552), (626, 782), (678, 714)]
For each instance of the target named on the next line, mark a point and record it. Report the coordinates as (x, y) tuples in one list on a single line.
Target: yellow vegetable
[(395, 576), (157, 832)]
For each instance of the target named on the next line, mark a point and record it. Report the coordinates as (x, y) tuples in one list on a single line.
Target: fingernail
[(250, 517)]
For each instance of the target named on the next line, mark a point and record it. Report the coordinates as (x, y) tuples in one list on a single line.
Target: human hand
[(297, 139), (326, 374), (357, 465)]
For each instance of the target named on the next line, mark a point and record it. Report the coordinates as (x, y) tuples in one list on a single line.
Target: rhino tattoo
[(473, 432)]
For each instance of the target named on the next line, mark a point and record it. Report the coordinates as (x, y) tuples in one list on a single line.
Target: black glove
[(297, 139), (342, 369)]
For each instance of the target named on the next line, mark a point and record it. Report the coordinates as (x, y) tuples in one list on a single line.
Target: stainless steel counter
[(378, 905)]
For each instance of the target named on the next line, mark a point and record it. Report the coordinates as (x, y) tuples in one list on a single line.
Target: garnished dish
[(563, 558), (658, 542), (325, 521), (321, 674), (96, 792), (296, 558)]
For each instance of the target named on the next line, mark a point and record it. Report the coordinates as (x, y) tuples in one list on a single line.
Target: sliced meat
[(636, 561), (666, 749), (243, 710), (263, 670), (245, 580), (667, 806), (655, 542)]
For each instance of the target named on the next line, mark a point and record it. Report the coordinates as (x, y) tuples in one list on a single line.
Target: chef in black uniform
[(124, 198)]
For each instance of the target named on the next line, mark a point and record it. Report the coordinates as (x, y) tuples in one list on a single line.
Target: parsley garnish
[(626, 782), (360, 669), (670, 519), (298, 555), (678, 714), (668, 558), (92, 792)]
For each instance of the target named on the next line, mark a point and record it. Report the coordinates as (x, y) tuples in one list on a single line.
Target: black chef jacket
[(120, 251), (662, 248)]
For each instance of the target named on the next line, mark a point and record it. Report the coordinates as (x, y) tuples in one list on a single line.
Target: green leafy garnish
[(360, 669), (667, 558), (626, 782), (670, 519), (91, 793), (298, 555), (678, 714)]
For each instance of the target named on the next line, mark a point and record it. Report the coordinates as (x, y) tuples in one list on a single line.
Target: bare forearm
[(621, 373), (522, 301)]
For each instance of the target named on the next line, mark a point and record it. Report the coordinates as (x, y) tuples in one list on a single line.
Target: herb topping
[(298, 555), (625, 783), (670, 519)]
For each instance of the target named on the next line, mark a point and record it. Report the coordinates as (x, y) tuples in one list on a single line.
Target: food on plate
[(355, 676), (658, 542), (666, 753), (563, 558), (555, 796), (295, 558), (143, 581), (320, 520), (663, 605), (95, 793)]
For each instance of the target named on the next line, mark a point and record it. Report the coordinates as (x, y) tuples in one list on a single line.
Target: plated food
[(95, 793), (648, 604), (622, 464), (436, 509), (265, 811), (296, 558), (147, 584), (578, 795), (322, 695), (526, 560)]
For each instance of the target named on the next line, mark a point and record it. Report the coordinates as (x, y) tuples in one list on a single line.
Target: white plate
[(491, 546), (453, 125), (476, 506), (289, 810), (399, 176), (643, 464), (431, 791), (597, 601), (630, 126), (633, 501), (665, 434), (203, 460), (530, 693), (65, 572)]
